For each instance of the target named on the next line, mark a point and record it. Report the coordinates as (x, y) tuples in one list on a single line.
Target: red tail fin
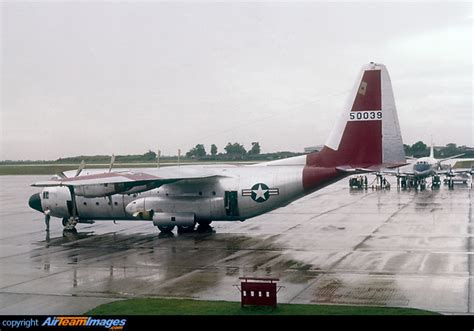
[(367, 134)]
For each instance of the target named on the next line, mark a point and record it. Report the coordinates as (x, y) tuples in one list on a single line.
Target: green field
[(198, 307)]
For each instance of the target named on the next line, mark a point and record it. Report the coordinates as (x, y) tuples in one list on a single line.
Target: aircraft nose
[(35, 202)]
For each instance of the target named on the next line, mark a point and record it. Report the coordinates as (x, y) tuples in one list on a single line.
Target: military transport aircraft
[(366, 138)]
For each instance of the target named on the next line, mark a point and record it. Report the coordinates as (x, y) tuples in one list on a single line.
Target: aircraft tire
[(69, 225), (165, 228), (185, 229), (204, 223)]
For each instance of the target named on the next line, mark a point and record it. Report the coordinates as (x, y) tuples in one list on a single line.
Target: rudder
[(367, 134)]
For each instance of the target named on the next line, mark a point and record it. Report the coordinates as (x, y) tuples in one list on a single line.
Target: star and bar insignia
[(260, 192)]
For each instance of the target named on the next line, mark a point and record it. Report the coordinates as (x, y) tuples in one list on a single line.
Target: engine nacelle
[(179, 219), (95, 191)]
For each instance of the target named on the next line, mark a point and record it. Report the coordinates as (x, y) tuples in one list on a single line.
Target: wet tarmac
[(336, 246)]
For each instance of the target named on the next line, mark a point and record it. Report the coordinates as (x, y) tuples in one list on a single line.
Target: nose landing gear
[(69, 224)]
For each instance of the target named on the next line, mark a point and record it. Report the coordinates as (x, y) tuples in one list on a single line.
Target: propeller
[(73, 194), (47, 217), (112, 161), (450, 171), (61, 175), (81, 167), (73, 200)]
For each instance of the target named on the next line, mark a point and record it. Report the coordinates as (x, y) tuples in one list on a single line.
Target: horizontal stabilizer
[(348, 169)]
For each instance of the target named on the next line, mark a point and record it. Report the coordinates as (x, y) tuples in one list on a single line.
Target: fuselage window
[(97, 203), (45, 195), (85, 203), (116, 203)]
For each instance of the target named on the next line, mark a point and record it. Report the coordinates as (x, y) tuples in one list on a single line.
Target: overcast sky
[(110, 77)]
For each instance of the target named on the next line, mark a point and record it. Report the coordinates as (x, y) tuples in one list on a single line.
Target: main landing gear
[(203, 226), (435, 182), (181, 228)]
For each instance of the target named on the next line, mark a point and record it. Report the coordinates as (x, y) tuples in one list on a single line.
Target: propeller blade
[(47, 217), (61, 175), (112, 161), (73, 200), (81, 167)]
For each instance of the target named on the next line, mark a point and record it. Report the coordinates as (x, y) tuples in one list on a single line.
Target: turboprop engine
[(145, 209)]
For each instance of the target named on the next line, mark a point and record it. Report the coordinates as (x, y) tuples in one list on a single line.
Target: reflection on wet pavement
[(389, 248)]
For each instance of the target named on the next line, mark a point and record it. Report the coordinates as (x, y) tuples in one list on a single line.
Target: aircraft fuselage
[(424, 167), (241, 193)]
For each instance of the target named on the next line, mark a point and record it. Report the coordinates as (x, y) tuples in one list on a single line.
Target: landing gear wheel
[(204, 223), (185, 228), (204, 226), (166, 228), (69, 224)]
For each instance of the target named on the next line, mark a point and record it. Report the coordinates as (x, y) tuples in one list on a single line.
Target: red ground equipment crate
[(259, 291)]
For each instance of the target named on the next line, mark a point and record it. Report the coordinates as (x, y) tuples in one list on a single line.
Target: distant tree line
[(420, 149), (232, 152), (237, 152)]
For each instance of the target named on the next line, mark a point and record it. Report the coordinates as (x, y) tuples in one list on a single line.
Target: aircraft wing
[(450, 158), (398, 172), (96, 179), (106, 184), (454, 172)]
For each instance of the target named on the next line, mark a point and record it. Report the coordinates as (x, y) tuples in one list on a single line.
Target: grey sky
[(111, 77)]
